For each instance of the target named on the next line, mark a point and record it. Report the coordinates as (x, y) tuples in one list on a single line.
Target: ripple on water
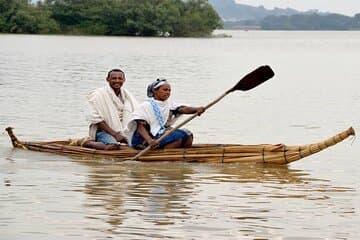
[(42, 95)]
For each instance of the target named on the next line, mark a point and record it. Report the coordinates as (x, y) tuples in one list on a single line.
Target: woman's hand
[(200, 110), (153, 143)]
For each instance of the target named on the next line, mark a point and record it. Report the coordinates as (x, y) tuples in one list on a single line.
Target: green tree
[(150, 17), (8, 9), (198, 18), (110, 17), (18, 16), (80, 16)]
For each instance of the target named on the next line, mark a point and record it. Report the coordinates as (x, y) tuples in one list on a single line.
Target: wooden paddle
[(250, 81)]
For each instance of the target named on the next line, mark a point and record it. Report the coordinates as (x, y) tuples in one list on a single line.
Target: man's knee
[(105, 138)]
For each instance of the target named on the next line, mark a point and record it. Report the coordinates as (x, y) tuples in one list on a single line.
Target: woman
[(156, 115)]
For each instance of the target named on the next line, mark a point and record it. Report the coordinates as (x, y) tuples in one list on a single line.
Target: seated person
[(157, 114), (111, 107)]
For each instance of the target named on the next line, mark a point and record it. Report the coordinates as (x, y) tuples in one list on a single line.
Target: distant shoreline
[(299, 22)]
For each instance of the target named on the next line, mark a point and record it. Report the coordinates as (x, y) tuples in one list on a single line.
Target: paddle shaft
[(167, 133)]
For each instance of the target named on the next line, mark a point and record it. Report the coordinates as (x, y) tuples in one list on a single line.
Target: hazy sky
[(347, 7)]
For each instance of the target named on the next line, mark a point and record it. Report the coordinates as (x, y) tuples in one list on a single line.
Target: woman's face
[(163, 92)]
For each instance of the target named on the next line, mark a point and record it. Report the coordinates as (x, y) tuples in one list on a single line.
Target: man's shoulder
[(95, 93)]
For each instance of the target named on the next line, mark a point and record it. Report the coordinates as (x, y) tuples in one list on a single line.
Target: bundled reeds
[(225, 153)]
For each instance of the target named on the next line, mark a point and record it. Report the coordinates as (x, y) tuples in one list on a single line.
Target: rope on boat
[(223, 153), (300, 154), (285, 156)]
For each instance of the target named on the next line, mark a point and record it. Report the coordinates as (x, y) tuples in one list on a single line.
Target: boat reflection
[(145, 189), (167, 193), (276, 181)]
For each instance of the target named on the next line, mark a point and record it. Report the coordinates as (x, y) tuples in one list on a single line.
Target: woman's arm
[(191, 110), (141, 128)]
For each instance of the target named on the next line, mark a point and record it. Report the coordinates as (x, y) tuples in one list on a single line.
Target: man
[(111, 106)]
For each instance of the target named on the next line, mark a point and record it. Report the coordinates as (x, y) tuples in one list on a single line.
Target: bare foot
[(112, 147), (100, 145)]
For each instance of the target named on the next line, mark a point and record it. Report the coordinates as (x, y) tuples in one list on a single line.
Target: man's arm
[(105, 127)]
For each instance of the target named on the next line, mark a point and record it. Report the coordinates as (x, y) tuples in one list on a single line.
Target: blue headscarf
[(154, 85)]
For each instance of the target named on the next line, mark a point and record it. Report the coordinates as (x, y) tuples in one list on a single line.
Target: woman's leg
[(176, 144), (178, 139), (188, 142)]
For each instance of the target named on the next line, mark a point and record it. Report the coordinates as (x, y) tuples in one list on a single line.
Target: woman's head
[(159, 89)]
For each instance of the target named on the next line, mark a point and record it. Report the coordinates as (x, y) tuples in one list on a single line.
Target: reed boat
[(221, 153)]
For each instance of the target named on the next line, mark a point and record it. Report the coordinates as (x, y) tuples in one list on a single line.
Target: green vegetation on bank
[(311, 22), (177, 18)]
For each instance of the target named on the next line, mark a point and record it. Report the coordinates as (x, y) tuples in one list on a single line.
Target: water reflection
[(139, 198), (154, 192), (255, 173), (182, 201), (135, 200), (281, 180)]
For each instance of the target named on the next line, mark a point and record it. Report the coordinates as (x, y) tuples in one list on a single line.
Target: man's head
[(116, 79)]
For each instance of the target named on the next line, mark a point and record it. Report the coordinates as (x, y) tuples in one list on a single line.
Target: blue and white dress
[(159, 115)]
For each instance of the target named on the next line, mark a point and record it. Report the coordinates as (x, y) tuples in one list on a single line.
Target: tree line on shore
[(177, 18)]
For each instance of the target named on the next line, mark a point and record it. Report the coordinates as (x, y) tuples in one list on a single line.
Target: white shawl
[(145, 112), (108, 107)]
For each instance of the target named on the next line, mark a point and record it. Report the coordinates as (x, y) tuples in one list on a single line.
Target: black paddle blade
[(253, 79)]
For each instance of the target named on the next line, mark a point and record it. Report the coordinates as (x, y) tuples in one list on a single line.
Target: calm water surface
[(314, 95)]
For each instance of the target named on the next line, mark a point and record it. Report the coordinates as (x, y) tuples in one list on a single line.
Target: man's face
[(116, 80)]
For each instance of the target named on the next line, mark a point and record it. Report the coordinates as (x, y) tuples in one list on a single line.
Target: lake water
[(315, 94)]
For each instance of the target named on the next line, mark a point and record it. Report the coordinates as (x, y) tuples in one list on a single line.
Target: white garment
[(145, 112), (106, 106)]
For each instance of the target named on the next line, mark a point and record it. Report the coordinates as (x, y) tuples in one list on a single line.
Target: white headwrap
[(155, 85)]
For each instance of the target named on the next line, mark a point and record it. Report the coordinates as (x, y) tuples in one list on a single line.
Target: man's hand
[(120, 138)]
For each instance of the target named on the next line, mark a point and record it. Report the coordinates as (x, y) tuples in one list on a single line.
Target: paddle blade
[(253, 79)]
